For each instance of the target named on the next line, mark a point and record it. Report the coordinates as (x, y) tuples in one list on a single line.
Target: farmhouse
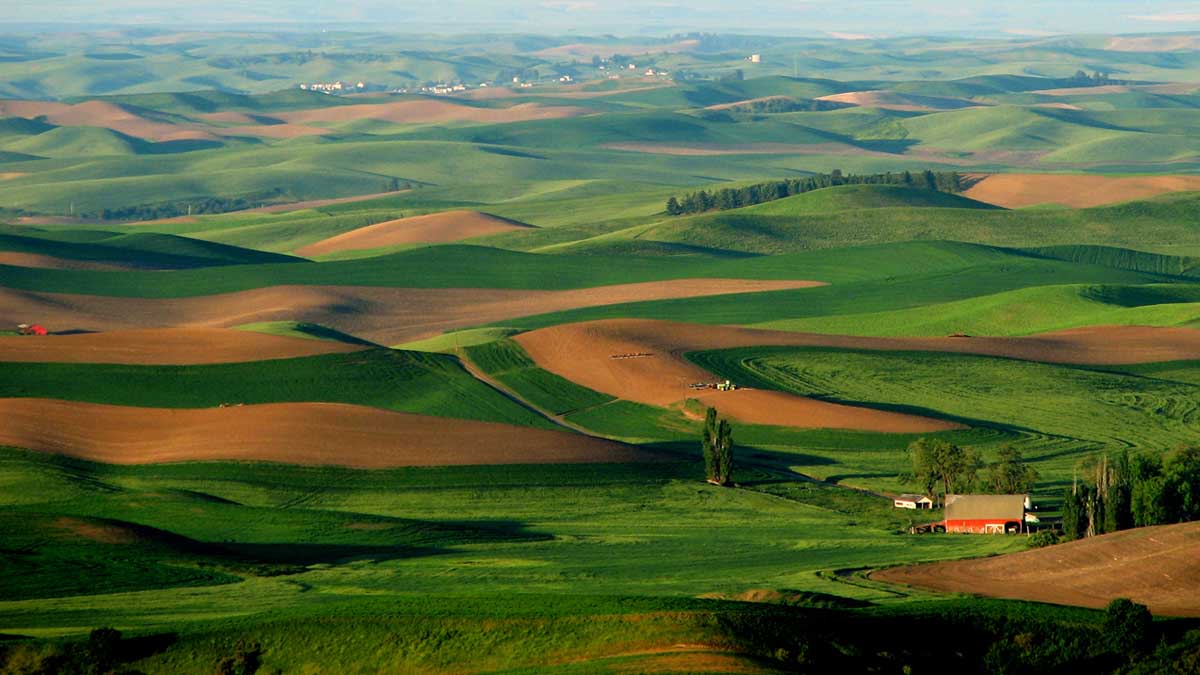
[(986, 514), (907, 501)]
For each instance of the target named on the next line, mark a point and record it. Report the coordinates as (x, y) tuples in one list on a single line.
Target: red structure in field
[(986, 514), (35, 329)]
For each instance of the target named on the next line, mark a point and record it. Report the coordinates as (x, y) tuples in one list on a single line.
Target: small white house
[(912, 502)]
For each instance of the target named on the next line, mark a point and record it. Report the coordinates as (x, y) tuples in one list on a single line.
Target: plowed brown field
[(50, 262), (384, 315), (890, 100), (432, 228), (164, 346), (1156, 566), (1015, 190), (106, 115), (584, 353), (295, 433)]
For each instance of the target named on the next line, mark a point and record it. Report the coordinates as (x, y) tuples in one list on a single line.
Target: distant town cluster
[(333, 87), (613, 68)]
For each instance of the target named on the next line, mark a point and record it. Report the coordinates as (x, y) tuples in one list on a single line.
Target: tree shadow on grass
[(135, 649), (271, 559)]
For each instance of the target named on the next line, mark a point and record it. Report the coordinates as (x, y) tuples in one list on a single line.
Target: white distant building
[(331, 87), (755, 58), (907, 501)]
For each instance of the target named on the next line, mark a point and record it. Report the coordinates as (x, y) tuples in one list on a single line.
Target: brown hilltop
[(1156, 566), (433, 228), (296, 433)]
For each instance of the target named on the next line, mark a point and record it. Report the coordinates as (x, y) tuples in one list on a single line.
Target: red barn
[(985, 514), (35, 329)]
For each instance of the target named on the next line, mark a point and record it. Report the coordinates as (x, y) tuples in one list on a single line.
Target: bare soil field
[(164, 346), (1166, 43), (706, 150), (1155, 566), (11, 175), (660, 375), (283, 131), (1086, 91), (239, 118), (1015, 190), (295, 433), (383, 315), (50, 262), (1093, 345), (890, 100), (583, 353), (749, 101), (432, 228), (106, 115), (430, 111)]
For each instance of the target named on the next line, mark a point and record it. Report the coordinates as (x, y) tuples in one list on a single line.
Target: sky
[(874, 18)]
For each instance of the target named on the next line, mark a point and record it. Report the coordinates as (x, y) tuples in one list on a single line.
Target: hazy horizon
[(865, 18)]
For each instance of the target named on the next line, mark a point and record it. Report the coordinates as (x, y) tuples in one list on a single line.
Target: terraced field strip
[(382, 315), (1015, 190), (1060, 413), (1155, 566), (294, 433), (164, 346), (591, 354)]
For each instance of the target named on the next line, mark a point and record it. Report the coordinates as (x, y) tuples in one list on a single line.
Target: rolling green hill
[(1047, 404), (415, 382), (1020, 312), (904, 290), (524, 569), (138, 249), (822, 222)]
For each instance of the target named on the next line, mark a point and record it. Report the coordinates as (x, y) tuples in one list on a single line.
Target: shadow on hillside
[(897, 146), (438, 540), (837, 478), (135, 649)]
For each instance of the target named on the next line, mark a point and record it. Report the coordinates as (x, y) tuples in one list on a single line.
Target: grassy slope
[(310, 331), (1154, 225), (507, 362), (136, 248), (1020, 312), (430, 384), (617, 530), (1058, 413), (878, 294), (482, 267)]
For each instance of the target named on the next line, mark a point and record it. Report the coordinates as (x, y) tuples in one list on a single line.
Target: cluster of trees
[(1133, 491), (1096, 78), (943, 468), (782, 104), (732, 198), (717, 446), (189, 208), (102, 654), (396, 185), (106, 651), (298, 58)]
